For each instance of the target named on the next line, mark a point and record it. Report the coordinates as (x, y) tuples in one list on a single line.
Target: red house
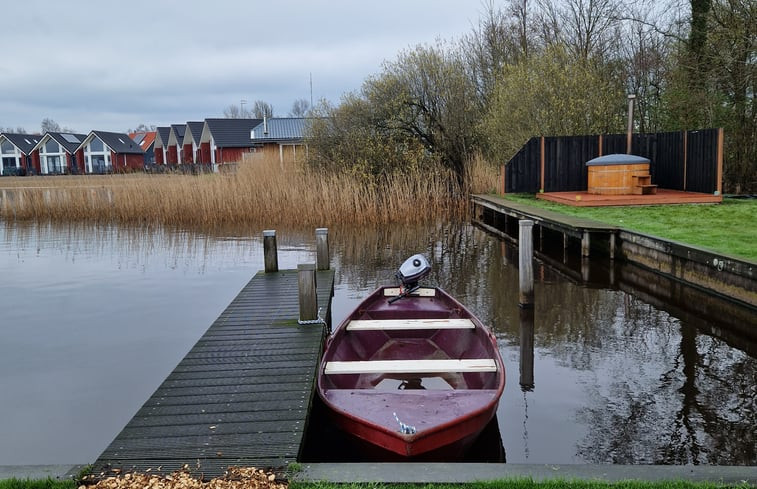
[(107, 152), (59, 153), (226, 140), (174, 144), (18, 155), (191, 143), (161, 143)]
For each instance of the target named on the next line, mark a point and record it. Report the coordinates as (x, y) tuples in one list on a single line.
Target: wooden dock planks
[(242, 394)]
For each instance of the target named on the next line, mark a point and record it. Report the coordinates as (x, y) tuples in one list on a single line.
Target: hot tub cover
[(617, 159)]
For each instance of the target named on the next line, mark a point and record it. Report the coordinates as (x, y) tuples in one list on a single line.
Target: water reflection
[(606, 369)]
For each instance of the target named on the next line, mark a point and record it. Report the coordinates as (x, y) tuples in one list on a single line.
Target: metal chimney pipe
[(630, 122)]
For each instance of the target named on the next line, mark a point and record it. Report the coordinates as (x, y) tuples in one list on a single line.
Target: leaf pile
[(235, 478)]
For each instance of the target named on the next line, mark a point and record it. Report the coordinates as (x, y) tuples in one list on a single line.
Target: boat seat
[(400, 324), (411, 366), (422, 292)]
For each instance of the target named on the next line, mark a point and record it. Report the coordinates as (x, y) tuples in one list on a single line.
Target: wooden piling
[(526, 263), (322, 249), (307, 291), (270, 254), (527, 349)]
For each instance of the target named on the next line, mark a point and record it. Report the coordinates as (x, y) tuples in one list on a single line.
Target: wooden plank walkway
[(662, 197), (242, 394)]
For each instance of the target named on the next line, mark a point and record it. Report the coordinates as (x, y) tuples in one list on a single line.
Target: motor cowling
[(412, 270)]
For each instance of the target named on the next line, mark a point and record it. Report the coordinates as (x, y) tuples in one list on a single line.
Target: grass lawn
[(509, 484), (36, 484), (729, 228), (523, 484)]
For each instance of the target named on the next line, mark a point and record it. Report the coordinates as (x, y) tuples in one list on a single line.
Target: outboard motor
[(411, 271)]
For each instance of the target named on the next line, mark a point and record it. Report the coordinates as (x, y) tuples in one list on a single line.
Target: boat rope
[(318, 320), (405, 428)]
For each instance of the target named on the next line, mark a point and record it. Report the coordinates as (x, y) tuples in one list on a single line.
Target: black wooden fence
[(689, 161)]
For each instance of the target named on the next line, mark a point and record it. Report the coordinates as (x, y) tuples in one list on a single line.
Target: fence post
[(307, 291), (322, 248), (526, 263), (270, 254)]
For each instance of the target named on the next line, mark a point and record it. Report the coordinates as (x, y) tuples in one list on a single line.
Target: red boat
[(411, 373)]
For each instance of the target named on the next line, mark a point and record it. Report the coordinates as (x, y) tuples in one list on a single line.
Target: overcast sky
[(112, 65)]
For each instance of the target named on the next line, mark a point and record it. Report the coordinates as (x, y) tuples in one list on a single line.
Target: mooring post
[(322, 248), (527, 349), (526, 263), (612, 246), (307, 291), (585, 243), (270, 255)]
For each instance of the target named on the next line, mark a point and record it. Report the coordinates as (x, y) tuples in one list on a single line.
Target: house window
[(52, 158), (8, 148), (97, 157)]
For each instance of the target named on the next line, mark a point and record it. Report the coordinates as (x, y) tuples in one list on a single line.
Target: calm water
[(93, 319)]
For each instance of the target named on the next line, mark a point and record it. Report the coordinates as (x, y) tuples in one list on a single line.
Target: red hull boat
[(411, 373)]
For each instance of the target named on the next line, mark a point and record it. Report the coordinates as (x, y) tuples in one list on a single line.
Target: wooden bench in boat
[(400, 324), (422, 292), (411, 366)]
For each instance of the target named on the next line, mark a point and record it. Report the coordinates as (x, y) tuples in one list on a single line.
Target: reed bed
[(261, 192)]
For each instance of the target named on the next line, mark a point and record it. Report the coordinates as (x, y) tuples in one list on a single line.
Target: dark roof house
[(226, 140), (58, 153), (17, 153), (191, 142), (111, 152), (161, 143), (174, 144)]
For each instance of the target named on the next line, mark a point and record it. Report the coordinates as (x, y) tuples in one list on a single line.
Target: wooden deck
[(662, 197), (241, 396)]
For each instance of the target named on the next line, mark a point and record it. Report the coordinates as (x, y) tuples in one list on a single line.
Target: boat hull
[(443, 411)]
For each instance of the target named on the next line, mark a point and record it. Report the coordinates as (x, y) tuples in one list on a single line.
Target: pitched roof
[(116, 141), (69, 141), (137, 136), (232, 133), (291, 129), (148, 140), (163, 133), (195, 130), (24, 142), (178, 131)]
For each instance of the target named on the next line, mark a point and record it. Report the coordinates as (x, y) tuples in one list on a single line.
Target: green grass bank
[(729, 228), (523, 484)]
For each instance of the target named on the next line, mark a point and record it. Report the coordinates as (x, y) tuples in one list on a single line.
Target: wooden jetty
[(240, 397), (496, 214)]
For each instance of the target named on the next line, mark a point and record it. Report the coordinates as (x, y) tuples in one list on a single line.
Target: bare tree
[(501, 37), (261, 108), (584, 26), (49, 125), (10, 130), (236, 112), (300, 108)]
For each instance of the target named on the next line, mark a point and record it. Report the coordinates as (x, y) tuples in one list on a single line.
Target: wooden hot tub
[(619, 174)]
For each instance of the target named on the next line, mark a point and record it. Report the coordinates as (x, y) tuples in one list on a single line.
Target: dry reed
[(260, 192)]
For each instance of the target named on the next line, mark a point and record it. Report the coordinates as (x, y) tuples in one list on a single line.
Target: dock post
[(612, 246), (526, 349), (322, 248), (270, 254), (307, 291), (526, 263), (585, 243)]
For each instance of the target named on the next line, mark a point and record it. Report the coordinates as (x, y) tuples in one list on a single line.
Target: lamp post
[(241, 108), (630, 122)]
